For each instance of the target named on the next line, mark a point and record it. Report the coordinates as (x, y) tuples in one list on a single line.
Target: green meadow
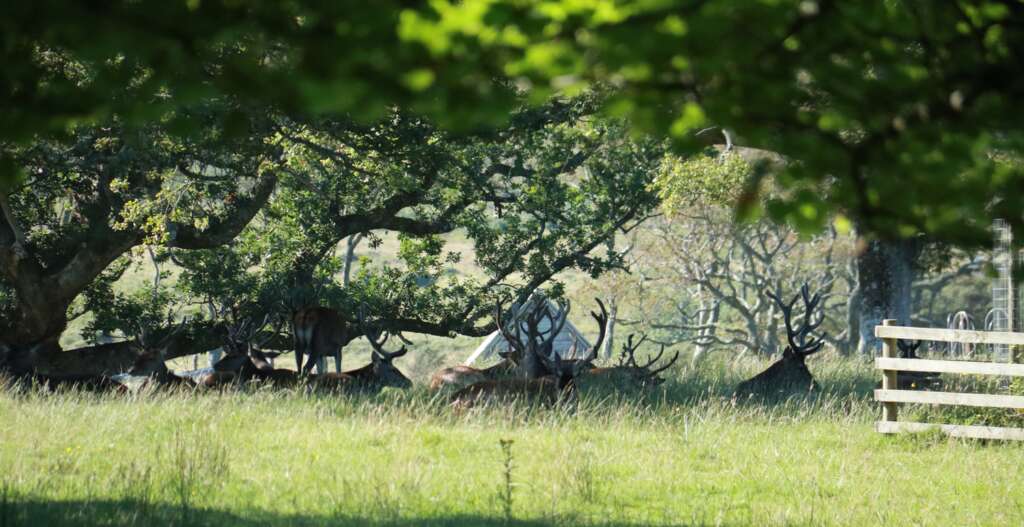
[(685, 455)]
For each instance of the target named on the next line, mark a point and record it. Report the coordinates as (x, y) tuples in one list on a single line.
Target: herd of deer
[(530, 368)]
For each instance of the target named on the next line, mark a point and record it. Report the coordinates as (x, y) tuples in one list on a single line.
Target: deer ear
[(788, 353)]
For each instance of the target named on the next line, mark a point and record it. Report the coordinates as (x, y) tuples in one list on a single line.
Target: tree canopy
[(900, 115), (252, 217)]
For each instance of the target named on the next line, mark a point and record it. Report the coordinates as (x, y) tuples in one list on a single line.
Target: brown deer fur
[(789, 374)]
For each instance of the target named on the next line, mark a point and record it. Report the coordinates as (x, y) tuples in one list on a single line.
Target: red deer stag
[(458, 377), (245, 359), (320, 332), (538, 352), (628, 374), (151, 363), (790, 374), (549, 378), (914, 380), (373, 377), (547, 389)]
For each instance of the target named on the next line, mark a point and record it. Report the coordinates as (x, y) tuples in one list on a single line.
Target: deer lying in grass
[(150, 368), (457, 377), (628, 374), (547, 389), (244, 360), (790, 374), (545, 378), (373, 377)]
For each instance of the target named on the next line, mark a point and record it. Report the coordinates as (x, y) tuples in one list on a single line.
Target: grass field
[(684, 456)]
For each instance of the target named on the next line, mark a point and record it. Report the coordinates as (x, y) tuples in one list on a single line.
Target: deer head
[(908, 348), (643, 373), (244, 341), (153, 352), (384, 371), (564, 372), (530, 345)]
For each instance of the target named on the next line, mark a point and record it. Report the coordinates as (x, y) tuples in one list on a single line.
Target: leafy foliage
[(710, 178), (897, 112), (537, 196)]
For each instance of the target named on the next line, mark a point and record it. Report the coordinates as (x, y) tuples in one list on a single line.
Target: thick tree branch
[(224, 229)]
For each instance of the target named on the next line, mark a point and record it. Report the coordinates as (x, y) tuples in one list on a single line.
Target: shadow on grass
[(124, 513)]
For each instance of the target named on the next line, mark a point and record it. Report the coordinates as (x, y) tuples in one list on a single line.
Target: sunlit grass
[(684, 456)]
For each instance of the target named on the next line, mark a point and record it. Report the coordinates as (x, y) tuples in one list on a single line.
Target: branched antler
[(908, 348), (542, 341), (378, 338), (627, 358), (798, 336), (602, 324), (512, 336)]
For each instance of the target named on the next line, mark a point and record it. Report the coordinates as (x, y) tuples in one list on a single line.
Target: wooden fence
[(891, 397)]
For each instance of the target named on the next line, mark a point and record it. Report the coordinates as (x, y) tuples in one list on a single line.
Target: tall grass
[(686, 455)]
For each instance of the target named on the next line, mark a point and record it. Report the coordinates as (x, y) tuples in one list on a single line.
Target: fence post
[(889, 410)]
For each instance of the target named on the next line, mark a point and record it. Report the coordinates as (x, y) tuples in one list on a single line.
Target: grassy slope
[(688, 456)]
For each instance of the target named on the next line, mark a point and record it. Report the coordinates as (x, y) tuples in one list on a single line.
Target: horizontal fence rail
[(966, 431), (983, 400), (950, 366), (963, 336), (891, 397)]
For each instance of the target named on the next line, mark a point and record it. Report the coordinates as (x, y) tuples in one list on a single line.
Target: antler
[(242, 332), (627, 357), (514, 340), (378, 338), (908, 348), (543, 341), (602, 325), (667, 365), (797, 337)]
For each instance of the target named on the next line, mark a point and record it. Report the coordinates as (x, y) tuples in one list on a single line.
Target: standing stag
[(790, 373), (320, 332)]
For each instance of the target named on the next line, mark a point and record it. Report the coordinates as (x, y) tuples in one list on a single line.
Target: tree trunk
[(707, 320), (853, 314), (350, 256), (885, 274), (104, 359)]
